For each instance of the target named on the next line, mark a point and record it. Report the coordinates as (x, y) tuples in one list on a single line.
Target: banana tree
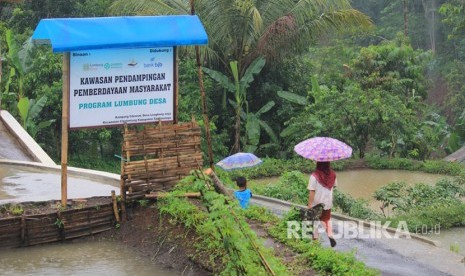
[(17, 67), (238, 87), (254, 125), (29, 111), (291, 129), (457, 136)]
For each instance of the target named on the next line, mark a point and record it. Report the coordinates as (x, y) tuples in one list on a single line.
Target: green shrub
[(17, 210), (260, 214), (429, 166), (357, 208), (292, 186), (442, 167), (13, 209), (392, 163), (112, 165), (424, 205), (442, 214)]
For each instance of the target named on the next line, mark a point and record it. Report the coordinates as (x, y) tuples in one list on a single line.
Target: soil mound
[(153, 236)]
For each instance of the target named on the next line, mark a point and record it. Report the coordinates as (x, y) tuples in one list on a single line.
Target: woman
[(321, 184)]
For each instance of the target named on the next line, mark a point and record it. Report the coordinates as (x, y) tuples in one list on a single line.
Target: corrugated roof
[(74, 34)]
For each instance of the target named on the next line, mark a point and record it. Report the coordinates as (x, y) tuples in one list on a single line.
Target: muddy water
[(363, 183), (19, 183), (81, 258), (453, 239)]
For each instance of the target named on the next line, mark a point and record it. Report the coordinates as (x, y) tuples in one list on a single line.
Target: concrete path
[(391, 256), (17, 144), (10, 148), (457, 156)]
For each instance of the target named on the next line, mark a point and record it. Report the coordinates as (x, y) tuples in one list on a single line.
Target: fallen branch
[(164, 194)]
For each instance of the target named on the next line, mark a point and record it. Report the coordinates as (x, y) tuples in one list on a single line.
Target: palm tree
[(243, 30)]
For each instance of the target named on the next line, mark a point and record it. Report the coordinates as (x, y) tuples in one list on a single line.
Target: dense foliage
[(380, 91)]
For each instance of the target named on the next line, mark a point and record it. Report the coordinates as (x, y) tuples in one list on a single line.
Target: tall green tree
[(242, 30), (378, 100), (454, 16)]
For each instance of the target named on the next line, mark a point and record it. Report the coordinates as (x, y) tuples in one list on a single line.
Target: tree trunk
[(393, 147), (433, 27), (237, 136), (404, 2), (203, 97), (430, 16)]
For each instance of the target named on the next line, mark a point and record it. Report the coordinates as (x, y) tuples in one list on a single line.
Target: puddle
[(80, 258), (18, 183)]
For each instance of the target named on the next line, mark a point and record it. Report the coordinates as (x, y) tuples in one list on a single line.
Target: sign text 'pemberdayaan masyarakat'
[(122, 79), (122, 90)]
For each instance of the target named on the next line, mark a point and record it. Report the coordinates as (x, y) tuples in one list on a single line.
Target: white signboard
[(117, 86)]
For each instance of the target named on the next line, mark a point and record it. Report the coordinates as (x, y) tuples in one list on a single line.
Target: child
[(243, 194)]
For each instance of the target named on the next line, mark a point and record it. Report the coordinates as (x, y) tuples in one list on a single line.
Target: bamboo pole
[(0, 73), (64, 130), (219, 187), (115, 206), (23, 231), (176, 86)]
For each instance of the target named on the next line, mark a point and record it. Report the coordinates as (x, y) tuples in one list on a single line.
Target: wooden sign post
[(64, 131)]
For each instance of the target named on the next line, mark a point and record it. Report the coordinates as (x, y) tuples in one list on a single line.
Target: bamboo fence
[(157, 157), (30, 230)]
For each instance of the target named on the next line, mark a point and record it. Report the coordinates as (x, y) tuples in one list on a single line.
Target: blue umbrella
[(239, 160)]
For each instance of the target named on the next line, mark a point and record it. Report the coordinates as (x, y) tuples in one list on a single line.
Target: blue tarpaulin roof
[(74, 34)]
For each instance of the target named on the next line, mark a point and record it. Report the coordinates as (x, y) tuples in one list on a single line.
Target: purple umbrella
[(239, 160), (323, 149)]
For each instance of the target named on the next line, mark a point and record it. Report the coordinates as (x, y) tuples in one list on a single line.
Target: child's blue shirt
[(243, 197)]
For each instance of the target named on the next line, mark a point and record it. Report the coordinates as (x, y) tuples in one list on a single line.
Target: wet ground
[(391, 256)]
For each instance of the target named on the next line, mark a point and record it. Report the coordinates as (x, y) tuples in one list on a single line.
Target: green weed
[(59, 223), (143, 202), (454, 248)]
